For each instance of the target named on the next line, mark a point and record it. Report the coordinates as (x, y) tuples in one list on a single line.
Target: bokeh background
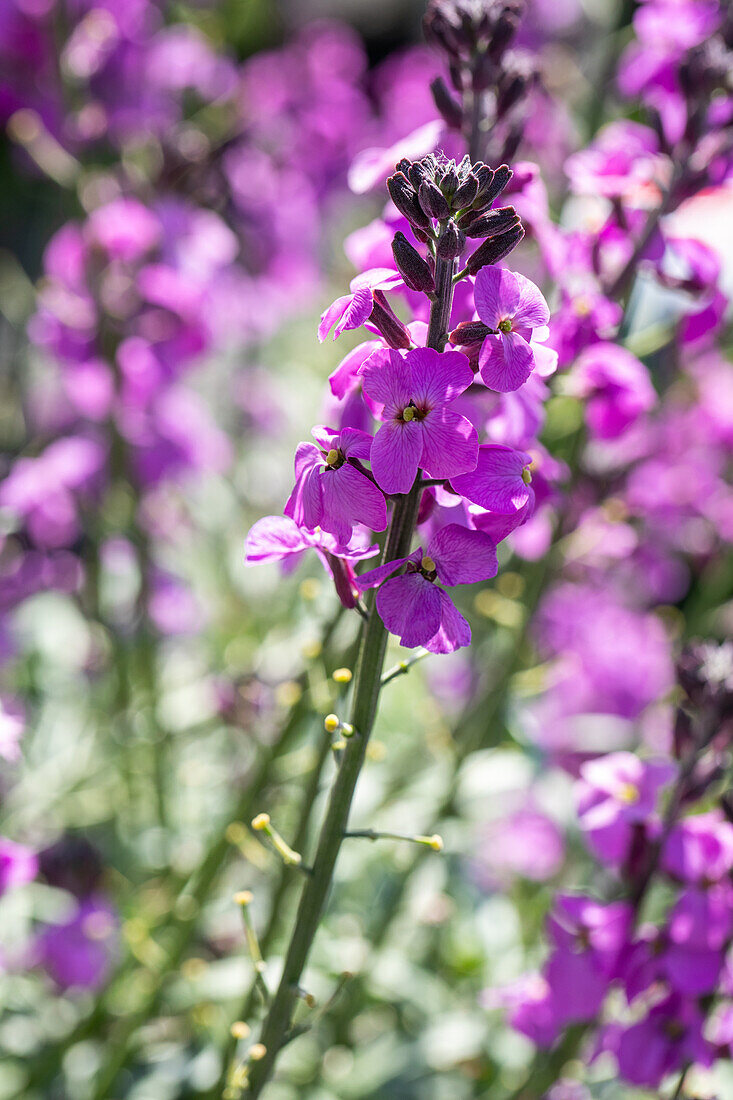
[(174, 182)]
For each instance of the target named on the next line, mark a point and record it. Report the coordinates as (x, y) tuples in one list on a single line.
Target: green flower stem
[(367, 686)]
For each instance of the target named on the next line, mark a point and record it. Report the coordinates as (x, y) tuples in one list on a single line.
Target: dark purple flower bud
[(504, 29), (490, 224), (73, 864), (490, 187), (433, 201), (513, 87), (466, 193), (388, 323), (440, 31), (342, 580), (449, 182), (483, 73), (451, 242), (494, 249), (411, 266), (469, 332), (405, 199), (450, 108), (421, 170)]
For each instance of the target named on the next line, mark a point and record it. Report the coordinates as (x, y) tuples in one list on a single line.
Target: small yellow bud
[(436, 842), (239, 1030), (347, 729), (342, 675), (427, 564), (260, 822), (331, 723), (332, 457), (243, 897), (258, 1052)]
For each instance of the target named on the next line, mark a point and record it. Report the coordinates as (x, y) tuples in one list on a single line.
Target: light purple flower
[(500, 482), (18, 865), (412, 606), (331, 491), (79, 952), (668, 1038), (413, 392), (124, 228), (513, 306), (615, 793), (700, 848), (278, 538), (352, 310), (616, 386)]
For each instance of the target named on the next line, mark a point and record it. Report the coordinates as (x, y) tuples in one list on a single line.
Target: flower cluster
[(436, 408)]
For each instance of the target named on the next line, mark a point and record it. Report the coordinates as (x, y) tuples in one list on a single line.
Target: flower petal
[(395, 455), (305, 503), (387, 379), (532, 309), (450, 444), (409, 606), (373, 577), (355, 444), (273, 538), (463, 556), (496, 483), (350, 498), (496, 294), (453, 631), (505, 361), (438, 377)]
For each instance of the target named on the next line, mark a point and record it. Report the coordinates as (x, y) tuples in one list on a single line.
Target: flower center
[(527, 475), (411, 412), (628, 793), (334, 458), (505, 325), (427, 565)]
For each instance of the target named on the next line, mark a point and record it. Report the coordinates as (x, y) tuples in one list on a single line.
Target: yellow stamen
[(332, 457), (408, 414), (427, 565)]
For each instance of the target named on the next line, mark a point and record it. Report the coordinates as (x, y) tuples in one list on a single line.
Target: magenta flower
[(79, 953), (278, 538), (331, 491), (667, 1039), (513, 306), (352, 310), (617, 388), (413, 607), (617, 792), (18, 865), (413, 392), (501, 481)]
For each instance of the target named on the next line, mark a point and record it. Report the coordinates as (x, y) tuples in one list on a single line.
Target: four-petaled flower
[(513, 306), (412, 393), (332, 492), (412, 606)]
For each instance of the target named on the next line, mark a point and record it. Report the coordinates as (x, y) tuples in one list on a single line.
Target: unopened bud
[(258, 1052), (449, 108), (469, 332), (386, 320), (404, 197), (494, 249), (331, 723), (491, 186), (489, 224), (260, 822), (411, 266), (342, 675), (433, 201), (466, 193), (239, 1030), (451, 242)]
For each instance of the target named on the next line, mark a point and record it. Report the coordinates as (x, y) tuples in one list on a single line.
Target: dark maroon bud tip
[(405, 199), (411, 266), (494, 249), (493, 188), (451, 242), (386, 321), (433, 201), (450, 108), (466, 193), (490, 224), (470, 332)]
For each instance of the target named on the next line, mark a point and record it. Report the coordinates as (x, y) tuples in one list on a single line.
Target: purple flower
[(512, 305), (413, 392), (278, 538), (526, 843), (669, 1037), (352, 310), (124, 228), (331, 491), (79, 952), (700, 849), (500, 482), (616, 386), (615, 793), (412, 606), (18, 865)]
